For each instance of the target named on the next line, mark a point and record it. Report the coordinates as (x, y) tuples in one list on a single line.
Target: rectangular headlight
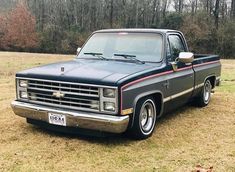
[(109, 93), (109, 106), (23, 83), (23, 95)]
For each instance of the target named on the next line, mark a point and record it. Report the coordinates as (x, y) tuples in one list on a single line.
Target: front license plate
[(57, 119)]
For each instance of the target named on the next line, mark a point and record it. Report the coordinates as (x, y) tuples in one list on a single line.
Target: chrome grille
[(75, 96)]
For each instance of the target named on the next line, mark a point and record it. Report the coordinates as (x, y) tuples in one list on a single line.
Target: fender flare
[(210, 76), (142, 95)]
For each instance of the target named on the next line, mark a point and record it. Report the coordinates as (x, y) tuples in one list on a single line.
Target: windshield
[(143, 46)]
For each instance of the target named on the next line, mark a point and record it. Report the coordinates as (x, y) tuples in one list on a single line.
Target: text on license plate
[(57, 119)]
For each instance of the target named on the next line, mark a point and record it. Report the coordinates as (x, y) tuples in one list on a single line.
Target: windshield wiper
[(99, 55), (131, 57)]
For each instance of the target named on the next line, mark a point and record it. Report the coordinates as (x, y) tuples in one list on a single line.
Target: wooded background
[(60, 26)]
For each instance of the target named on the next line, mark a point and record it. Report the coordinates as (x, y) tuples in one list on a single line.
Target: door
[(181, 82)]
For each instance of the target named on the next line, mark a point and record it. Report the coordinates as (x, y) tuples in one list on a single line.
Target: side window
[(176, 46)]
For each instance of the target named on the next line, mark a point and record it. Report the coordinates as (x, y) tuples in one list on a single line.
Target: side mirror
[(186, 57), (78, 50)]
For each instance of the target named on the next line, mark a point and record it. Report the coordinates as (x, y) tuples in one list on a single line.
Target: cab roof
[(137, 30)]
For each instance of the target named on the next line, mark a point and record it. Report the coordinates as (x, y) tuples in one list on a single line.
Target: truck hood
[(91, 71)]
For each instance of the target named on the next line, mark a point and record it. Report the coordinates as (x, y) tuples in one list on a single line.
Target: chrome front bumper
[(93, 121)]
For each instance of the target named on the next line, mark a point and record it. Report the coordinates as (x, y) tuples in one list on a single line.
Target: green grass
[(227, 86), (182, 139), (228, 76)]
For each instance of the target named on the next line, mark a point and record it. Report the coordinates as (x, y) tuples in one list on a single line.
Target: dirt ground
[(183, 139)]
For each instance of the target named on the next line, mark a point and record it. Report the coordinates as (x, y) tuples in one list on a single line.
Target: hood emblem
[(62, 70), (58, 94)]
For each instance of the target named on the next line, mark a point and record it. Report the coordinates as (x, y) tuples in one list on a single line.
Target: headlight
[(109, 106), (23, 95), (108, 92), (23, 83), (109, 100)]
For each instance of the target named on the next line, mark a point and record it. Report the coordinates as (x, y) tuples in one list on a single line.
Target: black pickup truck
[(121, 80)]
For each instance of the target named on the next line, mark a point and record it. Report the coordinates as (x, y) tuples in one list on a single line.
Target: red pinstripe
[(159, 74)]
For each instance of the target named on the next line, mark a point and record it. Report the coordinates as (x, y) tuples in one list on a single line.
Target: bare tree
[(178, 5), (64, 24), (111, 14), (216, 13), (232, 13), (137, 14)]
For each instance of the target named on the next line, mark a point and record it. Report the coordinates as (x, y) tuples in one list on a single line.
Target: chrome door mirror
[(78, 50), (186, 57)]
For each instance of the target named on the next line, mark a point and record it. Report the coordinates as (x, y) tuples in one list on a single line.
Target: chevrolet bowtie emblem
[(58, 94), (62, 70)]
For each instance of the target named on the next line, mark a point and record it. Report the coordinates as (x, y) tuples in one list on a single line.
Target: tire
[(205, 95), (144, 119)]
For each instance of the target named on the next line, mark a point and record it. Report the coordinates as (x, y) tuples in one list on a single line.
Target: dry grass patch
[(182, 140)]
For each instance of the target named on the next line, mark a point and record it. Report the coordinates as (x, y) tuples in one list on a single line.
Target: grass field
[(182, 140)]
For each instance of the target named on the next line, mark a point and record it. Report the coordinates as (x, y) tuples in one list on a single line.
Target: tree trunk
[(42, 17), (164, 9), (216, 13), (154, 12), (111, 14), (181, 4), (137, 14), (232, 9), (82, 14), (211, 7)]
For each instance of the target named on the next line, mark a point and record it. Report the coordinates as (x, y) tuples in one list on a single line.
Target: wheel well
[(158, 98), (158, 101), (212, 80)]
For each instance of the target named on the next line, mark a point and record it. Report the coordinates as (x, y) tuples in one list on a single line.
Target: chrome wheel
[(147, 117), (207, 91)]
